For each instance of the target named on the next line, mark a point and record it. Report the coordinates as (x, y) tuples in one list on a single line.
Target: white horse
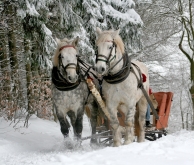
[(69, 89), (120, 86)]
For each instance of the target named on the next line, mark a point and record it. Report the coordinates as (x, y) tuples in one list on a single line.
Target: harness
[(57, 78), (120, 76), (107, 59), (61, 83)]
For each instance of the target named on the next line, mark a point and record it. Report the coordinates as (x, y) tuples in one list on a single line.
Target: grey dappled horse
[(69, 89)]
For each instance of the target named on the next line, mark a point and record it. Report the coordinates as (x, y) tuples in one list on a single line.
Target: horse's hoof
[(117, 144), (77, 136), (140, 139), (94, 145), (78, 145), (126, 142), (68, 143), (93, 141)]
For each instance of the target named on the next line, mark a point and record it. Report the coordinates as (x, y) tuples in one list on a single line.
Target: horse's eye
[(110, 47), (60, 56)]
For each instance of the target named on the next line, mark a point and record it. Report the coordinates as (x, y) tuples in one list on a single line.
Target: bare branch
[(181, 47)]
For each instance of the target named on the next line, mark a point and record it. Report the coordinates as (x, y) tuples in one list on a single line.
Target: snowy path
[(42, 144)]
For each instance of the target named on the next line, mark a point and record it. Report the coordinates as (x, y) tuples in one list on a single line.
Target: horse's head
[(66, 59), (107, 42)]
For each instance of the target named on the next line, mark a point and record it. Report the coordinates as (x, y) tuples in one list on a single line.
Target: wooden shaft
[(98, 97)]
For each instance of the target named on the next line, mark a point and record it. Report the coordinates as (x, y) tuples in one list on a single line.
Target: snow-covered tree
[(37, 23), (82, 17)]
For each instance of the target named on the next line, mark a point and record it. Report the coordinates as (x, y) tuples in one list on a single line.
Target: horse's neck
[(119, 65)]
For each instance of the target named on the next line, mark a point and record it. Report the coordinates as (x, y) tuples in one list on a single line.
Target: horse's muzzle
[(100, 69), (72, 79)]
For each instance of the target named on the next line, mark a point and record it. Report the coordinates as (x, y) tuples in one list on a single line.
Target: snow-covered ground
[(42, 144)]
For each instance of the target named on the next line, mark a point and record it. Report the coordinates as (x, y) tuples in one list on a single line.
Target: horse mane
[(117, 39), (56, 57), (63, 42)]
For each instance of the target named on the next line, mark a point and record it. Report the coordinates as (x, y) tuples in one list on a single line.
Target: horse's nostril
[(103, 69), (69, 77)]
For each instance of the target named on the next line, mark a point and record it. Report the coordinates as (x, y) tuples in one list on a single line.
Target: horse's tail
[(87, 112), (100, 119)]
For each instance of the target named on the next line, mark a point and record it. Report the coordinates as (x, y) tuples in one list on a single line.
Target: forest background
[(160, 33)]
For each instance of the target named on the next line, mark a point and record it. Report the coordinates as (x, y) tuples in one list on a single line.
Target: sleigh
[(160, 116), (159, 128)]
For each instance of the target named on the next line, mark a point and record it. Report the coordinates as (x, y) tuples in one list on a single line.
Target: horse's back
[(144, 71), (141, 66)]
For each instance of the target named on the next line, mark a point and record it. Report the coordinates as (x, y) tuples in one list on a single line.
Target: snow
[(42, 144), (129, 16), (157, 68), (31, 10), (46, 30)]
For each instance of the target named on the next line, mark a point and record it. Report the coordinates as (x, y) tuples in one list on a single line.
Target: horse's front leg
[(114, 123), (129, 122), (64, 129), (63, 123), (76, 122), (93, 120), (79, 126)]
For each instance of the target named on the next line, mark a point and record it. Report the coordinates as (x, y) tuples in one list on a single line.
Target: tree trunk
[(5, 71), (11, 21), (182, 113), (5, 75), (192, 87), (192, 97), (27, 53)]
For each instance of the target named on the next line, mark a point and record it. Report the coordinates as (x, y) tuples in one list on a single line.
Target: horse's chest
[(112, 89), (73, 98), (122, 91)]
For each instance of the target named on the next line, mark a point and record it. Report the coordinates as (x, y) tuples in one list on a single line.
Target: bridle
[(69, 65), (58, 79), (108, 59)]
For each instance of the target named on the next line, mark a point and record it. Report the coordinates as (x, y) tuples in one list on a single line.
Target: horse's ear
[(58, 41), (75, 41), (115, 33), (98, 31)]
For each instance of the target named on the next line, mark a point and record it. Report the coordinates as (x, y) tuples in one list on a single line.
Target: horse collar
[(122, 74), (61, 83)]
